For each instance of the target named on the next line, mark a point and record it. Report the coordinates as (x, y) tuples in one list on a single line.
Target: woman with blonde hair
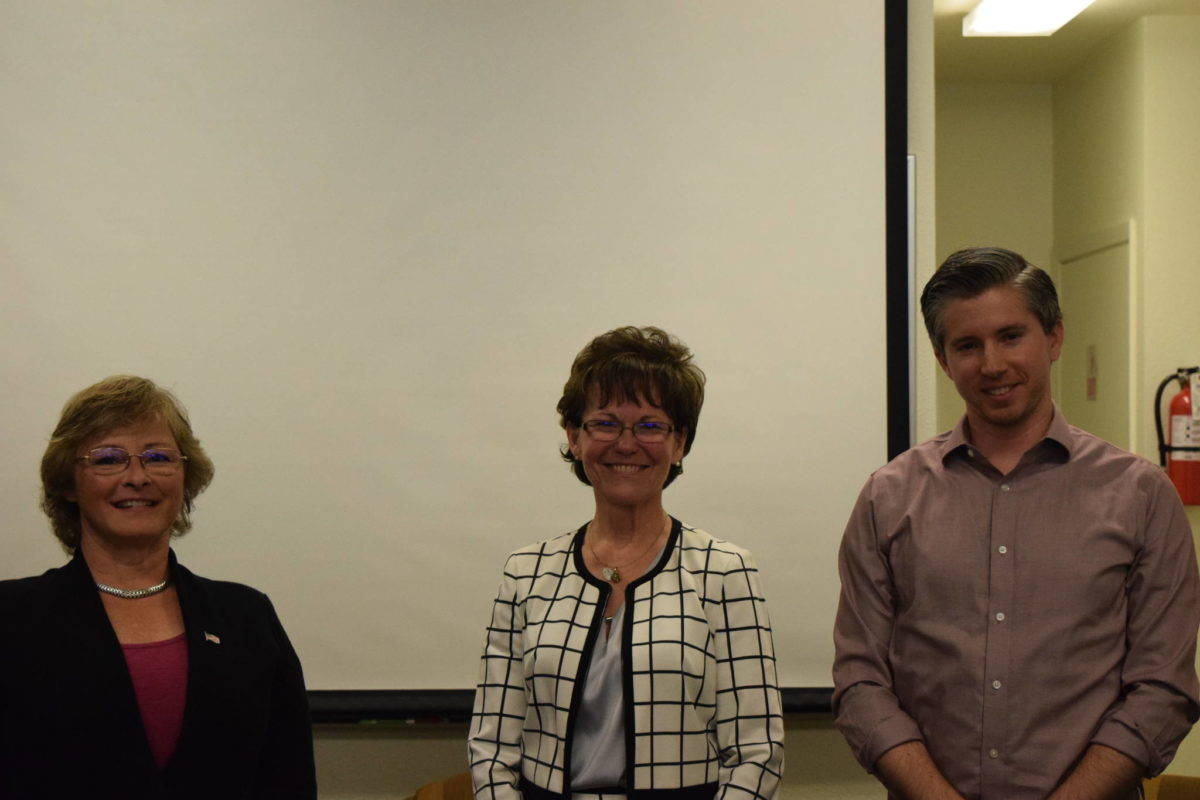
[(126, 675)]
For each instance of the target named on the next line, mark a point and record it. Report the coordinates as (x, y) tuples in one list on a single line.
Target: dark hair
[(635, 364), (971, 272), (113, 403)]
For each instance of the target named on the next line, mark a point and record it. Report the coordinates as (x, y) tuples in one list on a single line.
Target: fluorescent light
[(1021, 17)]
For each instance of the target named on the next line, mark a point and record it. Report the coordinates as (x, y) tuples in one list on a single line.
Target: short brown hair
[(971, 272), (115, 402), (635, 364)]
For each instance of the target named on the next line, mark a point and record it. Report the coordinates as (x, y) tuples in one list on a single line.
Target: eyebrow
[(1016, 327), (643, 418), (149, 446)]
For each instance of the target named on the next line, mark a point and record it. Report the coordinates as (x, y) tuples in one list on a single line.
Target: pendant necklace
[(613, 574)]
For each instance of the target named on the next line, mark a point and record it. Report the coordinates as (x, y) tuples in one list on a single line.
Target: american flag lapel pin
[(212, 637)]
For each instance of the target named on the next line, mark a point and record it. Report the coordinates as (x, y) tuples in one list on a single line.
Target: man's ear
[(940, 355), (1056, 341)]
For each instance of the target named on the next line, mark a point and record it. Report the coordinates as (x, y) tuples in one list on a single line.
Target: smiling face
[(999, 356), (132, 504), (626, 472)]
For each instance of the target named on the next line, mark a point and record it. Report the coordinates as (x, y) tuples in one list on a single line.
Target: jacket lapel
[(102, 680), (210, 652)]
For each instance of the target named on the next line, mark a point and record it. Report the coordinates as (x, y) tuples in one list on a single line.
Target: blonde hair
[(115, 402)]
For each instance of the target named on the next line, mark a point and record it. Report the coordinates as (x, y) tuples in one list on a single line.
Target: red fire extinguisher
[(1179, 450)]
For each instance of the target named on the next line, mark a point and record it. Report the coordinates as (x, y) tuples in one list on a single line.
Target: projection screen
[(362, 242)]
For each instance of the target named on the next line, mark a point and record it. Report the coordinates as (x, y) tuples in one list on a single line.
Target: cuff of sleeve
[(1124, 740), (894, 730)]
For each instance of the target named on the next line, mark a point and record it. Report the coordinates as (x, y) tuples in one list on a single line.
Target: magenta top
[(159, 673)]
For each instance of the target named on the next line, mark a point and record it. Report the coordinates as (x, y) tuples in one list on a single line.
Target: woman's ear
[(680, 445), (573, 443)]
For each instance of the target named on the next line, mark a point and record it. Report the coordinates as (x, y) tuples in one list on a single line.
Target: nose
[(627, 441), (135, 472), (992, 364)]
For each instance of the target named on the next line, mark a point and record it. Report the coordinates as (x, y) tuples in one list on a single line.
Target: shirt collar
[(1059, 433)]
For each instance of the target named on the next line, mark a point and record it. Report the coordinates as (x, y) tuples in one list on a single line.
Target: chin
[(134, 535), (624, 499), (1009, 418)]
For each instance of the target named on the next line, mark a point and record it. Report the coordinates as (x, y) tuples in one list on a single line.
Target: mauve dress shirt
[(1009, 621)]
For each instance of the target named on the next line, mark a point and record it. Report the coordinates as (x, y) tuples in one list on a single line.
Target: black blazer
[(69, 721)]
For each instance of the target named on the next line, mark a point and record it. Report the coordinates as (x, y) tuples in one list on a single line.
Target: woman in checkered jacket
[(631, 657)]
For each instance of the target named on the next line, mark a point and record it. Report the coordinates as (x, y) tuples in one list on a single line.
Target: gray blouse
[(598, 748)]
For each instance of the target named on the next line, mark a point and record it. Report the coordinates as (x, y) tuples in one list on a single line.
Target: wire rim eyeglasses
[(161, 461), (608, 430)]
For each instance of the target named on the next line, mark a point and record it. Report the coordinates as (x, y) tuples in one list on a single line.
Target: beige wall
[(1171, 240), (922, 143), (994, 181), (354, 763), (1098, 121), (1042, 170), (1125, 134), (1099, 112), (1170, 255)]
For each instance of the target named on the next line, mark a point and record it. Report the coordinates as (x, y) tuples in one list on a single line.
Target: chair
[(456, 787), (1172, 787)]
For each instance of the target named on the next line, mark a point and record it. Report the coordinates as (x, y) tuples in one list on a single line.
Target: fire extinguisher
[(1179, 450)]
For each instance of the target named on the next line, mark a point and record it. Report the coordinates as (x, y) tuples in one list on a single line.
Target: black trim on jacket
[(585, 659)]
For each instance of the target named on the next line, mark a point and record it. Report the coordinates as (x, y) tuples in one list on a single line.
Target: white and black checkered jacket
[(702, 706)]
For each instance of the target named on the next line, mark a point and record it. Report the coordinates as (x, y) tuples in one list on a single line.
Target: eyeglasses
[(607, 430), (162, 461)]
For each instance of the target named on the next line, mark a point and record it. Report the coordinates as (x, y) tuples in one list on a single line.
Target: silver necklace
[(133, 594)]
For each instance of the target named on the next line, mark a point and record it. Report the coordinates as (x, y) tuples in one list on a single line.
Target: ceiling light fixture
[(1021, 17)]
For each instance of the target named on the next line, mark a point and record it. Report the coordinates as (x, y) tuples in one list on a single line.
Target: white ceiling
[(1034, 59)]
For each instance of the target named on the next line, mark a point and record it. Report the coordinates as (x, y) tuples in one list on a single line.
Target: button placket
[(1000, 536)]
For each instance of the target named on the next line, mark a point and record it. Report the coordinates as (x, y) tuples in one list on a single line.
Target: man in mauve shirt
[(1019, 598)]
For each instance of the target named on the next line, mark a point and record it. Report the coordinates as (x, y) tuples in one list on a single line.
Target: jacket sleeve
[(498, 718), (749, 710), (866, 709), (286, 769), (1159, 693)]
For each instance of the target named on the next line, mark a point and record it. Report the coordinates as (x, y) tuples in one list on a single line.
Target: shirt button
[(993, 753), (999, 616), (996, 684), (1004, 487), (1002, 549)]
